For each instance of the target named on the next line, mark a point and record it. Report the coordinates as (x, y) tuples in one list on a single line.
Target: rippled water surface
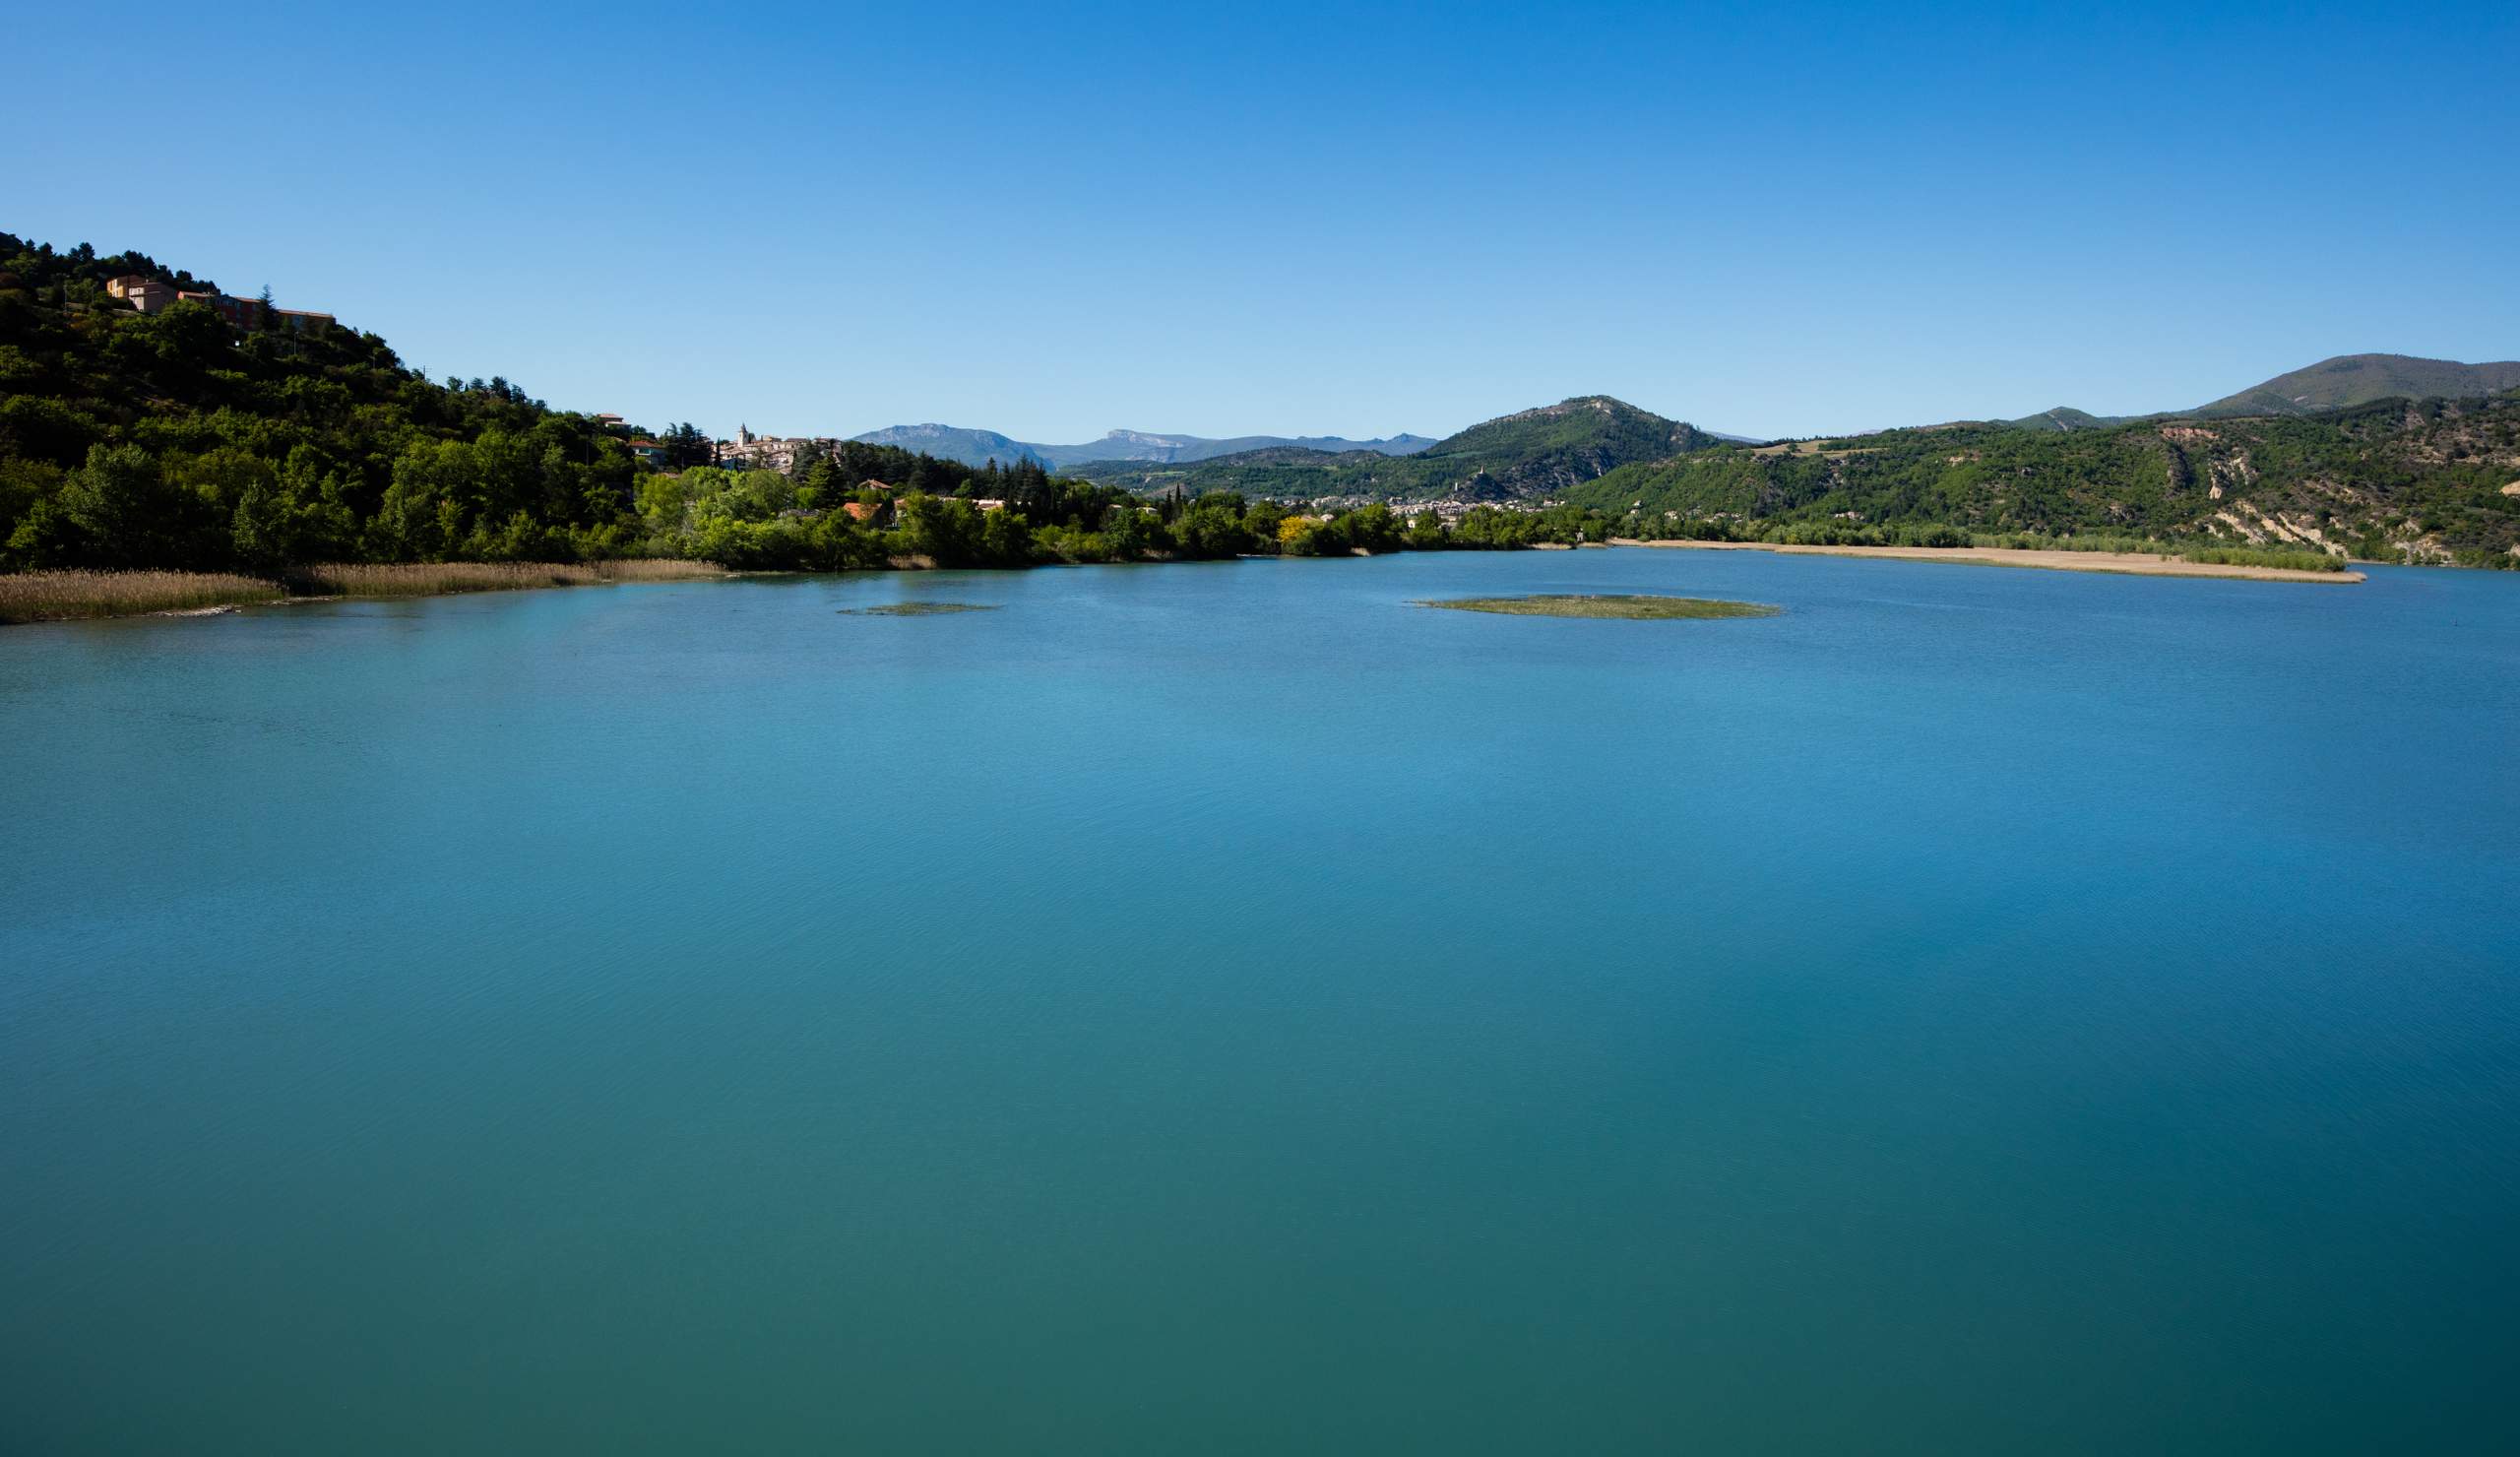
[(1227, 1009)]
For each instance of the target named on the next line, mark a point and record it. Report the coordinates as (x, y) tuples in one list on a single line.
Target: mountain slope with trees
[(2330, 384), (1531, 455), (174, 440), (178, 441), (2361, 379), (2393, 479)]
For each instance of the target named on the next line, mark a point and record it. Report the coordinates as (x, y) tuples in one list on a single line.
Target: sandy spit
[(2125, 563)]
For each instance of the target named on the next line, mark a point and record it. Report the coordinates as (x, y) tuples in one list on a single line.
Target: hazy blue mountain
[(972, 447), (952, 443)]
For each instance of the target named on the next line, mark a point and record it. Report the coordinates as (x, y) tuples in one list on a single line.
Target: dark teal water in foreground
[(1225, 1009)]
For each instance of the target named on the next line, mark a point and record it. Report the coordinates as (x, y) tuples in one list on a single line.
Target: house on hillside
[(149, 296), (241, 313), (141, 291)]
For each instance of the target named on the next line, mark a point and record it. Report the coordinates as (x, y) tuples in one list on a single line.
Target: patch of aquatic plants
[(1621, 607), (916, 609)]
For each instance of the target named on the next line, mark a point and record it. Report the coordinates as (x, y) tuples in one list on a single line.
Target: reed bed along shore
[(64, 597), (434, 578)]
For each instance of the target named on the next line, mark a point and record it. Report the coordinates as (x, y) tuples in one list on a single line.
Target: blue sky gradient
[(1295, 218)]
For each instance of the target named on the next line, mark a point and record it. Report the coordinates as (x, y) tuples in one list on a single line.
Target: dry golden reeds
[(55, 597), (58, 596), (432, 578)]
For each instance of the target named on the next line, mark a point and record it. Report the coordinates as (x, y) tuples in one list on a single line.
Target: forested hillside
[(1529, 456), (2394, 479), (174, 440), (2363, 379)]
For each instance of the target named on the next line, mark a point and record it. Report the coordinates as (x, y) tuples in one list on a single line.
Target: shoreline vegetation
[(61, 596), (83, 596), (80, 595)]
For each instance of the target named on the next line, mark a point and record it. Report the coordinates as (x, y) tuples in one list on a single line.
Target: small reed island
[(916, 609), (1623, 608)]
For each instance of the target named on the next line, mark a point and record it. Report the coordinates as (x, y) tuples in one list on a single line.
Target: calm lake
[(1224, 1008)]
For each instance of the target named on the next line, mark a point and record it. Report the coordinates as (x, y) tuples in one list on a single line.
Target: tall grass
[(658, 569), (56, 597), (432, 578), (59, 596)]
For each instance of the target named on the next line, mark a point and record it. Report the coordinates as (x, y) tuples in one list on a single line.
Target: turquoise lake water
[(1225, 1010)]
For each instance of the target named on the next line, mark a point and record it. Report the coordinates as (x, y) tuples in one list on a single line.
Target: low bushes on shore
[(2243, 556)]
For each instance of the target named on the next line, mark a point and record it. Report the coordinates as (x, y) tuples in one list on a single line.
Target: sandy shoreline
[(2123, 563)]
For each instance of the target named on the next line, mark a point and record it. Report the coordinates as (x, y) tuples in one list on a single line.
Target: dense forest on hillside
[(172, 439)]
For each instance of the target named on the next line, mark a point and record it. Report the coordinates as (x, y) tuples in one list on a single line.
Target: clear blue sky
[(1288, 219)]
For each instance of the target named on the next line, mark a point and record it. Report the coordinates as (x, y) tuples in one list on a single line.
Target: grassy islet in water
[(1631, 608), (917, 610)]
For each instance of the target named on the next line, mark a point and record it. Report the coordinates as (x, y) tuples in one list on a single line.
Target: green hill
[(1527, 456), (2065, 418), (2330, 384), (2391, 479), (2360, 379), (177, 439)]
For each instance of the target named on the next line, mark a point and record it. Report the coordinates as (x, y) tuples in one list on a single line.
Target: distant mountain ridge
[(952, 443), (2330, 384), (974, 447), (2360, 379)]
